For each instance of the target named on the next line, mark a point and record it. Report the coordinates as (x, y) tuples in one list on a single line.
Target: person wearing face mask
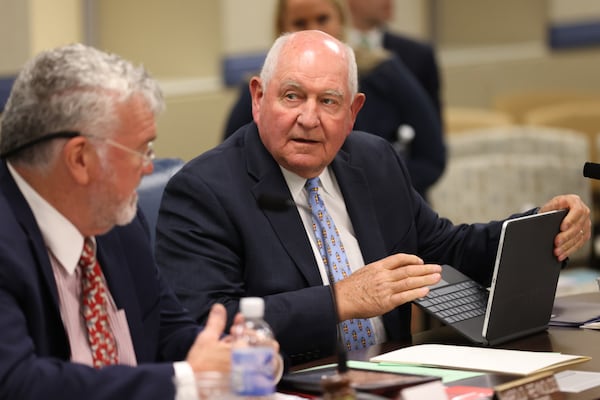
[(397, 108)]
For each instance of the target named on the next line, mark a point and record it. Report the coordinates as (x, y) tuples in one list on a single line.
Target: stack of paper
[(572, 311), (591, 325), (479, 359)]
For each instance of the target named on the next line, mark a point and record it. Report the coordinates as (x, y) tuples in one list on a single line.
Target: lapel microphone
[(278, 203)]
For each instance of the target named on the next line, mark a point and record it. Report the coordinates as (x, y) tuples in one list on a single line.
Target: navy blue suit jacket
[(393, 98), (420, 59), (34, 348), (215, 244)]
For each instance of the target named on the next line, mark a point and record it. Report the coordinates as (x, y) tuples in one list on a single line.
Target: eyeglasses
[(147, 156)]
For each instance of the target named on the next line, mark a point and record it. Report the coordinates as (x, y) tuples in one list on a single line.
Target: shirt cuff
[(185, 382)]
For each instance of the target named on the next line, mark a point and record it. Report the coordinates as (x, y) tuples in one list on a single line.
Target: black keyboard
[(456, 302)]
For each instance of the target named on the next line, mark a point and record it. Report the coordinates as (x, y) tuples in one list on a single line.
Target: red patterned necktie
[(94, 303)]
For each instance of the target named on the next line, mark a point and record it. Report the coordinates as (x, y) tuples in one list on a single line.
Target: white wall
[(14, 31)]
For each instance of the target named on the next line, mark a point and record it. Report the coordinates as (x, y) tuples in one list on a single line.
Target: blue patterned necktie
[(357, 333)]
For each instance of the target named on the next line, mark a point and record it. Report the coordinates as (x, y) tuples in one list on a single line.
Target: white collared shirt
[(373, 37), (336, 207)]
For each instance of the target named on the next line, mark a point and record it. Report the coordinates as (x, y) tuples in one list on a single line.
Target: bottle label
[(252, 371)]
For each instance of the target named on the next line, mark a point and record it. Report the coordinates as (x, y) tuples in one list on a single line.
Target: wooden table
[(574, 341)]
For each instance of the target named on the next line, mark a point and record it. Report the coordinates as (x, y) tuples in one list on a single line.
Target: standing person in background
[(97, 323), (397, 108), (369, 19), (345, 214)]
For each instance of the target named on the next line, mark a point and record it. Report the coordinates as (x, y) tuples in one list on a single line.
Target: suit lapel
[(24, 215), (116, 275), (355, 188), (269, 181), (122, 286)]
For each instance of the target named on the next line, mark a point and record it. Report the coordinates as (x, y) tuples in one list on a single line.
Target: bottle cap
[(252, 307)]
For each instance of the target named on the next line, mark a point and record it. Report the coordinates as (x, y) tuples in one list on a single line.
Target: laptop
[(520, 299)]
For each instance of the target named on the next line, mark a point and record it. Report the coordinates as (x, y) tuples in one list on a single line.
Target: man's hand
[(576, 227), (212, 352), (383, 285), (209, 352)]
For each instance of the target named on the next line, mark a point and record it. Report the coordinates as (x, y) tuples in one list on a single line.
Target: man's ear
[(78, 156), (357, 104), (257, 93)]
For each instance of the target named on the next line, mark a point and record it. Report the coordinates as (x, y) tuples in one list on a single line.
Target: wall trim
[(171, 87), (191, 85), (491, 54), (237, 68)]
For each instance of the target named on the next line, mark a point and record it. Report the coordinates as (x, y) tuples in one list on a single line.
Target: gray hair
[(70, 88), (272, 59)]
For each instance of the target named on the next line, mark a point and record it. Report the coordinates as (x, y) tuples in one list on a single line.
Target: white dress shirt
[(371, 39), (334, 201)]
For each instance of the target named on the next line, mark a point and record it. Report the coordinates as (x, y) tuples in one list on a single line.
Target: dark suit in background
[(394, 99), (215, 244), (34, 345), (420, 59)]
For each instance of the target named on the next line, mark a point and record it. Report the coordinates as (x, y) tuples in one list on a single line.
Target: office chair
[(151, 189), (5, 88), (582, 116), (464, 119), (519, 103)]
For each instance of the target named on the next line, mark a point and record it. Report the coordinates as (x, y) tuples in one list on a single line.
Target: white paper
[(477, 358), (591, 325), (577, 381), (431, 391)]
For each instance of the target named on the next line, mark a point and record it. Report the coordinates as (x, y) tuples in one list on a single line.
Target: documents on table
[(431, 391), (480, 359), (574, 311), (591, 325), (447, 375), (577, 381)]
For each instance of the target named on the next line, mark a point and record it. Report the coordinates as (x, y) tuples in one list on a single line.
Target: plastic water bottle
[(253, 357)]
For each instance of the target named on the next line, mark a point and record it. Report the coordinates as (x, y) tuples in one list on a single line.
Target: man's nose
[(147, 169), (309, 115)]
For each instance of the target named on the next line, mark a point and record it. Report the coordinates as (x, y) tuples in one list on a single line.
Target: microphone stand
[(339, 385)]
